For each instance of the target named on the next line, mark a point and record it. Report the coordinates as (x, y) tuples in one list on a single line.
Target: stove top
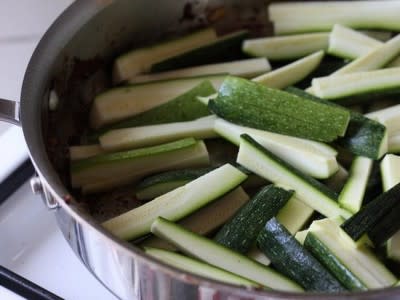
[(33, 247)]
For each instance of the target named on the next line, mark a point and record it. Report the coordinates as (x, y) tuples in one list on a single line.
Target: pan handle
[(9, 111)]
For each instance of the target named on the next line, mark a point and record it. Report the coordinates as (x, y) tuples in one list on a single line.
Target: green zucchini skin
[(250, 104), (224, 48), (183, 108), (386, 227), (215, 254), (363, 137), (292, 259), (376, 210), (158, 184), (241, 231), (185, 174), (323, 189), (328, 259)]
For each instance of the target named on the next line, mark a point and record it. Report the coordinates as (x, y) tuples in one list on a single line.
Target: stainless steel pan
[(71, 64)]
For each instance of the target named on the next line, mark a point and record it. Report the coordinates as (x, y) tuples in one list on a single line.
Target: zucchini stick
[(317, 16), (291, 73), (286, 47)]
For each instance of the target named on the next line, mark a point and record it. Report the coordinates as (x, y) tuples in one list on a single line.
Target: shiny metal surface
[(9, 111), (74, 50)]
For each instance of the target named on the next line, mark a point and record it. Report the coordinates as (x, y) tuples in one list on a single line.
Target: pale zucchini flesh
[(374, 59), (265, 164), (286, 47), (246, 68), (294, 215), (388, 117), (257, 255), (394, 63), (217, 255), (390, 173), (176, 204), (313, 158), (291, 73), (346, 85), (135, 137), (207, 219), (352, 194), (359, 259), (140, 60), (123, 102), (300, 236), (184, 107), (224, 48), (317, 16), (199, 268), (394, 143), (112, 167), (84, 151), (350, 44)]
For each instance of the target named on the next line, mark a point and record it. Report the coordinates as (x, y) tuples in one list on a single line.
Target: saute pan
[(70, 65)]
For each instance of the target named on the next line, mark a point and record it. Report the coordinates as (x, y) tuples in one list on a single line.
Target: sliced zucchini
[(390, 166), (207, 219), (123, 102), (390, 171), (354, 84), (84, 151), (286, 47), (394, 63), (156, 185), (352, 195), (183, 108), (217, 255), (264, 163), (247, 68), (199, 268), (350, 44), (393, 247), (363, 221), (139, 162), (251, 104), (141, 60), (290, 258), (225, 48), (291, 73), (364, 137), (241, 232), (135, 137), (379, 35), (394, 143), (386, 227), (313, 158), (337, 181), (374, 59), (300, 236), (297, 17), (389, 117), (257, 255), (356, 268), (294, 215), (176, 204), (206, 99)]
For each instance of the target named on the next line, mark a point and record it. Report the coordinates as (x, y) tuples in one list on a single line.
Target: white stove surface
[(33, 247), (31, 244)]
